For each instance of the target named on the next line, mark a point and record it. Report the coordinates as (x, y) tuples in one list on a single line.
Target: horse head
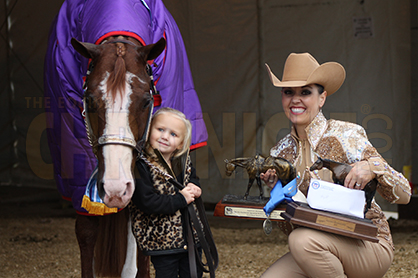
[(339, 170), (318, 165), (229, 167), (118, 105)]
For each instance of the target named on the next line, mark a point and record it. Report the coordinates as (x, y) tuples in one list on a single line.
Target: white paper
[(336, 198)]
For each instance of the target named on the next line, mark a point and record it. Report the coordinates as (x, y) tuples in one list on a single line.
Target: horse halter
[(107, 139)]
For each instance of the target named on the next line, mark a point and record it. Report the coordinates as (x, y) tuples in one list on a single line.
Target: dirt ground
[(37, 239)]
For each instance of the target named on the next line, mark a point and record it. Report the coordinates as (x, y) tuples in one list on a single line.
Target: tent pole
[(12, 146), (261, 73)]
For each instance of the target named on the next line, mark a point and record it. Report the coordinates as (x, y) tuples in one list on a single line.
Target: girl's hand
[(196, 190), (270, 177), (359, 175), (187, 194)]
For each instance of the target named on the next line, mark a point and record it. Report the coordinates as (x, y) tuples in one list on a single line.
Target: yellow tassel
[(96, 208)]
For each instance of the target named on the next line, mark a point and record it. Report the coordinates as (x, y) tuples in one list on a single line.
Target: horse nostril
[(129, 189), (100, 189)]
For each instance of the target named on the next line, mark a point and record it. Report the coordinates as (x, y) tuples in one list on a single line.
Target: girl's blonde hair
[(187, 137)]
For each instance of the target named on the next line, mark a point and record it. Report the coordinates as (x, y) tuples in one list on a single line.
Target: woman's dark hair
[(320, 88)]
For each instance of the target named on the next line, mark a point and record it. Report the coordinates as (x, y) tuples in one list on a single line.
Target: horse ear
[(153, 50), (86, 49)]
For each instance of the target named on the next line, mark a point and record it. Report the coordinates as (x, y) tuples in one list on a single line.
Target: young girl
[(158, 208)]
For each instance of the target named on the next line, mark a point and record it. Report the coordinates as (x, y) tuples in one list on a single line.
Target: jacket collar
[(314, 131)]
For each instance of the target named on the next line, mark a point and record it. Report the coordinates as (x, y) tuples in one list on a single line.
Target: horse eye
[(90, 102), (147, 101)]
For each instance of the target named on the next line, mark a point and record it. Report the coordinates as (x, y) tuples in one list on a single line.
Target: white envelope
[(336, 198)]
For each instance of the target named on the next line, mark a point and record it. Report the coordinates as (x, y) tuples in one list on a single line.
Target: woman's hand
[(270, 177), (359, 175)]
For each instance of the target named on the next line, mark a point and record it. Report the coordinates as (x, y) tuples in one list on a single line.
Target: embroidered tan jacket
[(343, 142)]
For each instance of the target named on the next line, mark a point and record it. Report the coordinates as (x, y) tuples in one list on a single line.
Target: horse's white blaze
[(117, 177)]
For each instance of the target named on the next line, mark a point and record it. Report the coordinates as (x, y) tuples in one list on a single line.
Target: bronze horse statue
[(339, 173), (257, 165)]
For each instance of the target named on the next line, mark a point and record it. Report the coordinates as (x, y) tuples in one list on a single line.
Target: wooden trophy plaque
[(303, 215), (250, 208)]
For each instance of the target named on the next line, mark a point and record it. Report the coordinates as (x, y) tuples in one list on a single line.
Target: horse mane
[(116, 80)]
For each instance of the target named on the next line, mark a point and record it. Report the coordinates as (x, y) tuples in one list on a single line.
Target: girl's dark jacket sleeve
[(149, 201)]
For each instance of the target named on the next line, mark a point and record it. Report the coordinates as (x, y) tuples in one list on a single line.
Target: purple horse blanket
[(92, 21)]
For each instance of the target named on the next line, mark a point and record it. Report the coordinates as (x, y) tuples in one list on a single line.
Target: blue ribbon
[(278, 194), (91, 201), (91, 189)]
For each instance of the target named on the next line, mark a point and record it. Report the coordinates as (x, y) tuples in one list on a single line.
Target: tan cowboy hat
[(302, 69)]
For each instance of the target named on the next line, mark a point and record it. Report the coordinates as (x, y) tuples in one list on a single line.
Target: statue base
[(303, 215), (250, 208)]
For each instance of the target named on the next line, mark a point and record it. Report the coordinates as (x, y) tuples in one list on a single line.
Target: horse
[(119, 47), (339, 173), (118, 106), (257, 165)]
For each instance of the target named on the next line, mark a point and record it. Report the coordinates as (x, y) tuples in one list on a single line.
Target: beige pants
[(319, 254)]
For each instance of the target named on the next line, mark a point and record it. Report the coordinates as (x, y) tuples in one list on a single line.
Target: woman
[(305, 87)]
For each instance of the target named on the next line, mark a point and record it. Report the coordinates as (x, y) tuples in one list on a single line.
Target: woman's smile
[(297, 110)]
